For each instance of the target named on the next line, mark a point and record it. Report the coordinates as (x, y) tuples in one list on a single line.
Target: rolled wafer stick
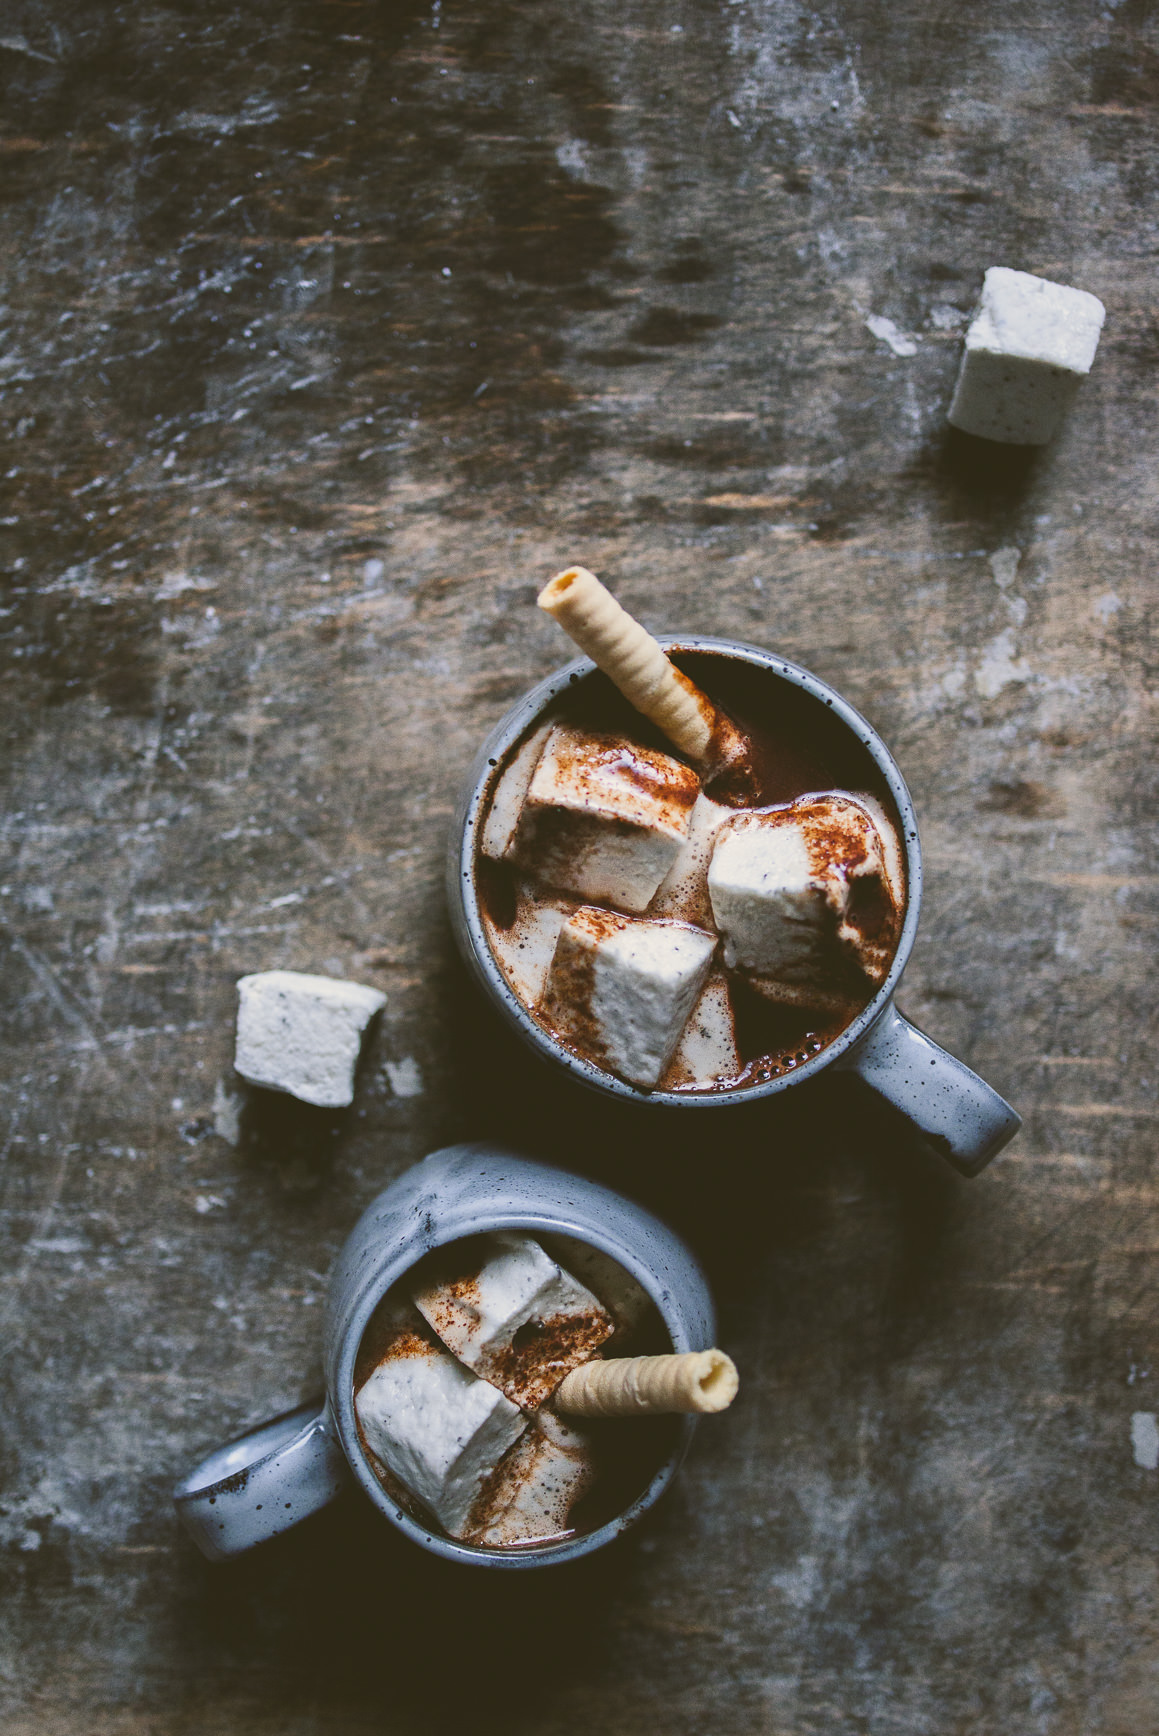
[(629, 1386), (630, 657)]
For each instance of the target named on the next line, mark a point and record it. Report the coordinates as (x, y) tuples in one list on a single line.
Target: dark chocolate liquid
[(797, 746)]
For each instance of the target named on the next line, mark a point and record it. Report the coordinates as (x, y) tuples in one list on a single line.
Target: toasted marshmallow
[(621, 990), (531, 1497), (303, 1034), (796, 890), (1029, 347), (603, 818), (514, 1315), (439, 1428)]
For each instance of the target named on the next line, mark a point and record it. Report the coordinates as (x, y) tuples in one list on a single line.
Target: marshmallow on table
[(514, 1315), (302, 1034), (793, 889), (440, 1429), (1029, 347), (621, 989), (602, 818)]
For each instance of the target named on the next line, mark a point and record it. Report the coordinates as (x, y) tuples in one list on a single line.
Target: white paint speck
[(1000, 667), (373, 571), (226, 1114), (885, 330), (208, 1203), (404, 1076), (732, 119), (572, 158), (1106, 606), (1004, 565), (1145, 1440)]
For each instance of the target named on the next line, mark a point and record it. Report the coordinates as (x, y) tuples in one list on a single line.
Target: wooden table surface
[(330, 331)]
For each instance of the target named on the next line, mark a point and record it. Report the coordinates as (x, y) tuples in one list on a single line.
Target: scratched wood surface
[(330, 330)]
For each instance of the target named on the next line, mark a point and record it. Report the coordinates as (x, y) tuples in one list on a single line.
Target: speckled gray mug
[(273, 1476), (955, 1111)]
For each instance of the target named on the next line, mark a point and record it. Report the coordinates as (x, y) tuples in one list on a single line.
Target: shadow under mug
[(272, 1476), (954, 1110)]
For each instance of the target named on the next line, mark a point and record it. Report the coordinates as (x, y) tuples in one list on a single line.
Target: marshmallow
[(796, 890), (622, 990), (684, 891), (302, 1034), (1029, 347), (514, 1315), (437, 1427), (708, 1048), (626, 1300), (604, 818), (540, 1480), (526, 949), (509, 795)]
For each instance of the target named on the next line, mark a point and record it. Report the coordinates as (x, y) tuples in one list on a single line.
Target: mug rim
[(341, 1392), (473, 938)]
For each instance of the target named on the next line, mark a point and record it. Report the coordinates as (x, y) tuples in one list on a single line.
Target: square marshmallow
[(603, 817), (1029, 347), (302, 1034), (796, 890), (509, 794), (515, 1316), (437, 1426), (624, 1297), (531, 1499), (769, 903), (622, 989)]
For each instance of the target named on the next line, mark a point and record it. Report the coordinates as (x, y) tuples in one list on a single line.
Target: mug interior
[(413, 1524), (760, 686)]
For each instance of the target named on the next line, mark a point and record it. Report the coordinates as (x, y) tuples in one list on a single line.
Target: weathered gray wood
[(330, 331)]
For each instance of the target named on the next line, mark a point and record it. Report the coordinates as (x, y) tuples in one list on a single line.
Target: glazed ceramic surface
[(275, 1475), (953, 1109)]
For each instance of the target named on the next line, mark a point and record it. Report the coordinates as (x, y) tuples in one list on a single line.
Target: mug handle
[(263, 1482), (955, 1111)]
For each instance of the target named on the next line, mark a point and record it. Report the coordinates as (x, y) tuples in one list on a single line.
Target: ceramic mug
[(952, 1108), (271, 1477)]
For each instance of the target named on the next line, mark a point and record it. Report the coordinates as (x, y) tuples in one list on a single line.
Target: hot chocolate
[(455, 1377), (693, 927)]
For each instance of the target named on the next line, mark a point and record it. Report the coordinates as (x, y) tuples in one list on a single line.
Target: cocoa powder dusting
[(774, 746), (542, 1352), (567, 1010)]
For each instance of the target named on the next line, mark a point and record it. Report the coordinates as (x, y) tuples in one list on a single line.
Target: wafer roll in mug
[(629, 656), (699, 1381)]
